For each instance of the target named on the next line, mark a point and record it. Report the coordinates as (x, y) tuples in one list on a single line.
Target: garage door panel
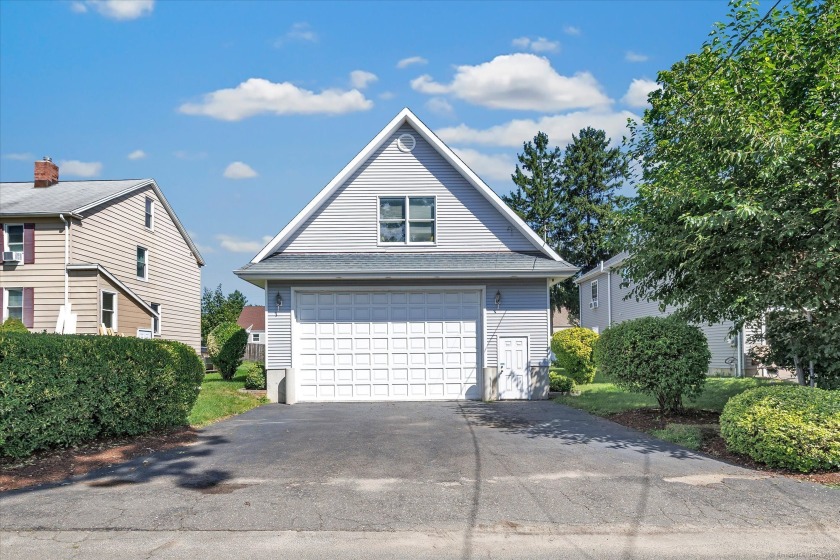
[(387, 345)]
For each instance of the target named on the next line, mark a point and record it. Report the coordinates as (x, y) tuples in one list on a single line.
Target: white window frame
[(407, 220), (255, 338), (593, 286), (150, 202), (5, 309), (156, 332), (146, 262), (22, 237), (114, 323)]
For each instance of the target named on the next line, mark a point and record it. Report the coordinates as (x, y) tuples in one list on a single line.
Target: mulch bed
[(59, 464), (647, 419)]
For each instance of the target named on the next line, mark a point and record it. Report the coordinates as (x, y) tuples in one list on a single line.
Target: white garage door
[(395, 345)]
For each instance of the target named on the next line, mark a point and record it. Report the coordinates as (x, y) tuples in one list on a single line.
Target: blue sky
[(243, 111)]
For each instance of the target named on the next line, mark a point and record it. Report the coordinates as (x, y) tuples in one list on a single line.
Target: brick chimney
[(46, 173)]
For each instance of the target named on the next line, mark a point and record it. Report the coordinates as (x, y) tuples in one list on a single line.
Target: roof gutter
[(352, 275), (59, 215)]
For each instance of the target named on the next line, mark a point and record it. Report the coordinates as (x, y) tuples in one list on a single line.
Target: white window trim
[(115, 322), (6, 238), (160, 320), (593, 284), (255, 338), (145, 277), (150, 227), (405, 243), (5, 310)]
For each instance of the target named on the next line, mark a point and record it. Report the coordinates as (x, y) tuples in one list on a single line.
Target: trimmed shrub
[(13, 325), (786, 426), (664, 357), (254, 375), (226, 345), (572, 350), (559, 383), (61, 390)]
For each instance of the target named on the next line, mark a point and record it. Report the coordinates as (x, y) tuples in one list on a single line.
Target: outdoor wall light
[(498, 299), (279, 300)]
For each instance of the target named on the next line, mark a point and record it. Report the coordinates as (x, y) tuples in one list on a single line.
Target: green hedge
[(13, 325), (254, 375), (664, 357), (787, 426), (572, 349), (61, 390), (559, 383), (226, 345)]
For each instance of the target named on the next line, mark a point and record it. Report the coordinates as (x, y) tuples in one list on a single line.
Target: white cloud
[(558, 127), (540, 44), (137, 154), (300, 32), (518, 81), (360, 79), (239, 170), (121, 10), (386, 95), (406, 62), (637, 93), (239, 245), (571, 30), (257, 95), (495, 167), (25, 156), (440, 106), (631, 56), (78, 168)]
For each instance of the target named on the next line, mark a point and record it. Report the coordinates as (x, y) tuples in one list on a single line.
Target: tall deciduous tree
[(216, 308), (738, 207)]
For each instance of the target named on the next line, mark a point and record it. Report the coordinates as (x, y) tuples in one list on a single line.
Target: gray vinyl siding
[(523, 312), (109, 235), (717, 335), (347, 221)]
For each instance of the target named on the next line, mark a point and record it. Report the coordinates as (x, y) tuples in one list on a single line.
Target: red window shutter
[(28, 243), (2, 244), (29, 307)]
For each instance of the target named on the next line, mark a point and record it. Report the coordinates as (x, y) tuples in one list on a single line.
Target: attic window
[(416, 226), (406, 142)]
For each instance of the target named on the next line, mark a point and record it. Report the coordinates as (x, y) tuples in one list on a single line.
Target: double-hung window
[(150, 213), (14, 238), (594, 292), (156, 319), (407, 220), (142, 263), (109, 310), (14, 304)]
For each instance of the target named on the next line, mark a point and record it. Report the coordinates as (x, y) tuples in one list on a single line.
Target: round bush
[(559, 383), (254, 375), (787, 426), (572, 350), (226, 345), (13, 325), (660, 356)]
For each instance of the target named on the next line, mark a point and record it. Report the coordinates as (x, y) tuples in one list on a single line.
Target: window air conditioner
[(12, 256), (593, 304)]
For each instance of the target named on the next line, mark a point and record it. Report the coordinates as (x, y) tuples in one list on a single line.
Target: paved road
[(426, 480)]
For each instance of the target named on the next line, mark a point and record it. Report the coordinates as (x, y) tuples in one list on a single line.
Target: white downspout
[(66, 260), (609, 299)]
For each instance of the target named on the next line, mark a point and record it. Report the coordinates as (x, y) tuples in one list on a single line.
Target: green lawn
[(603, 398), (219, 399)]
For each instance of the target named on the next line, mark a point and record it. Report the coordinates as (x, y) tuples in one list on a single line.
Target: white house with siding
[(605, 302), (406, 278)]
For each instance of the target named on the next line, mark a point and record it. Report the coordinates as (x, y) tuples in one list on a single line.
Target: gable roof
[(604, 266), (75, 197), (115, 281), (405, 116), (252, 317)]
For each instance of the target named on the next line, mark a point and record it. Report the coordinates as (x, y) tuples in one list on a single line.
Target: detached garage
[(406, 278)]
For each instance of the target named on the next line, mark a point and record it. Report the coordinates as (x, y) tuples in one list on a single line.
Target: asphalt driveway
[(434, 480)]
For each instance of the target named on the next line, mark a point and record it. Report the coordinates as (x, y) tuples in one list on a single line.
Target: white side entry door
[(514, 377)]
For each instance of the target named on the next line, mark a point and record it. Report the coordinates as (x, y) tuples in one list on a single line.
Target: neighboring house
[(406, 278), (603, 303), (252, 319), (560, 320), (113, 250)]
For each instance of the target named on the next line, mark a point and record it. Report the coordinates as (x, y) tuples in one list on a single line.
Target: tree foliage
[(226, 346), (570, 198), (216, 308), (738, 206)]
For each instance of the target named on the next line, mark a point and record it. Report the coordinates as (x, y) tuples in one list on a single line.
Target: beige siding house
[(113, 250)]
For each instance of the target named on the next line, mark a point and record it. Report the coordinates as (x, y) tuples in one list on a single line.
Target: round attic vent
[(406, 142)]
